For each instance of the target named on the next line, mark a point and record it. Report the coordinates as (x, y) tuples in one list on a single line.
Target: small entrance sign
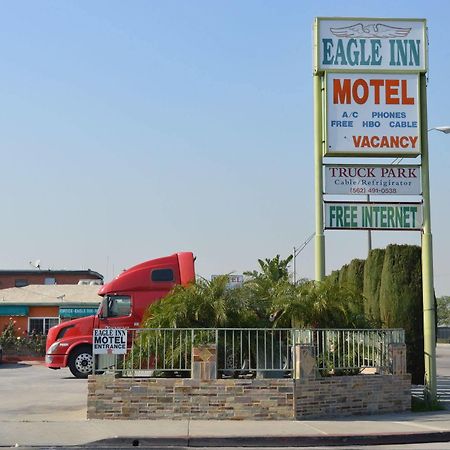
[(109, 341)]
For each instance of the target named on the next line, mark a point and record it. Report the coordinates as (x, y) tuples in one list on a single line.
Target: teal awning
[(65, 313), (13, 310)]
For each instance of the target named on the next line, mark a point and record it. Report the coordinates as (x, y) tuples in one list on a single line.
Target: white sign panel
[(233, 280), (373, 216), (109, 341), (372, 180), (372, 115), (370, 44)]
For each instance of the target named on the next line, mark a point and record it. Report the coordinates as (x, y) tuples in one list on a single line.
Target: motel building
[(36, 308)]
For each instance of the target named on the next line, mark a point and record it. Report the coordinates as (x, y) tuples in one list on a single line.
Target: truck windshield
[(116, 306)]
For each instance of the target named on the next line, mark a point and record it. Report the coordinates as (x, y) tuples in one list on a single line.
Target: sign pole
[(318, 157), (429, 315)]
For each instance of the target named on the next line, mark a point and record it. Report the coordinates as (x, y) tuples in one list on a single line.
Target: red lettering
[(392, 92), (356, 140), (341, 92), (405, 99), (376, 89), (360, 99)]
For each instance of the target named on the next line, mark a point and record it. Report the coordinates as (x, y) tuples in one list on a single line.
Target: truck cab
[(124, 302)]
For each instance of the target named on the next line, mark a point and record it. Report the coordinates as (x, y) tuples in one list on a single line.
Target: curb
[(275, 441)]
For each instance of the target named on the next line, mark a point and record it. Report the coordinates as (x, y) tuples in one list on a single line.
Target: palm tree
[(320, 305), (202, 304), (273, 270)]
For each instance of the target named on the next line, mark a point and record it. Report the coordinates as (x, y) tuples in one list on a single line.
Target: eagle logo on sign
[(373, 30)]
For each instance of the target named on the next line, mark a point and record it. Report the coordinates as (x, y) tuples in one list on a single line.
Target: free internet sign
[(372, 67)]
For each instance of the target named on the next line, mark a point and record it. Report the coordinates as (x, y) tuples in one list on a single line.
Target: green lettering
[(353, 56), (332, 214), (339, 214), (346, 216), (406, 217), (390, 217), (364, 61), (340, 53), (383, 217), (376, 210), (367, 216), (414, 53), (392, 52), (354, 217), (327, 46), (413, 210), (399, 218), (376, 58)]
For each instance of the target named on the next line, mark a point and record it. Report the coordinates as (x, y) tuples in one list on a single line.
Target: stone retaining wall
[(169, 398), (352, 395), (256, 399)]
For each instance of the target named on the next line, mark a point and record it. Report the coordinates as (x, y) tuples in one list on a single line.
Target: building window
[(41, 325), (162, 275), (49, 280), (21, 282)]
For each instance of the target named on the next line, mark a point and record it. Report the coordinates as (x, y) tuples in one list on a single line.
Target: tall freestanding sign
[(370, 102)]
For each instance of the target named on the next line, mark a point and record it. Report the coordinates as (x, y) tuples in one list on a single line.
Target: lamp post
[(429, 313), (296, 252)]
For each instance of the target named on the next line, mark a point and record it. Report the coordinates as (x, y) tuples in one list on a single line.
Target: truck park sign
[(370, 100), (373, 216), (372, 180)]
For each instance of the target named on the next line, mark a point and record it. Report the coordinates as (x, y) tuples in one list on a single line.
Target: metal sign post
[(370, 101)]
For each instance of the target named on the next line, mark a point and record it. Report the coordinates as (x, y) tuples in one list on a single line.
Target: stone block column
[(304, 362), (204, 362), (397, 359)]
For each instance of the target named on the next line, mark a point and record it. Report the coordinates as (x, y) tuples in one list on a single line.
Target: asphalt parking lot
[(43, 408), (30, 391)]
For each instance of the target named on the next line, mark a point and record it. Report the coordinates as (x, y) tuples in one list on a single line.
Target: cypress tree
[(333, 278), (401, 301), (355, 275), (343, 275), (371, 285)]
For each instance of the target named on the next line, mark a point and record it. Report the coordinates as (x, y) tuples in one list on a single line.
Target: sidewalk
[(57, 418), (363, 430)]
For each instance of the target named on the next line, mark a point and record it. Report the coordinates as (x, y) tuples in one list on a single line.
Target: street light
[(444, 129), (429, 313), (297, 251)]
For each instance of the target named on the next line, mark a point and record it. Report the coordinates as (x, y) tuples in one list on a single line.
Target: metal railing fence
[(249, 352), (348, 350)]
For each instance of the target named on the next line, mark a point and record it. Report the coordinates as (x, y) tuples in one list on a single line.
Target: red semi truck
[(125, 300)]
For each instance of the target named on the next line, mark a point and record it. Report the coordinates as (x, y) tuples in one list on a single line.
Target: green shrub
[(26, 345)]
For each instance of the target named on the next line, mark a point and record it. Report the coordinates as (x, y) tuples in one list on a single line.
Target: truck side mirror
[(103, 311)]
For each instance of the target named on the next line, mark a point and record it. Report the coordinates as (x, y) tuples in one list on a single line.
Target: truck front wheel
[(81, 362)]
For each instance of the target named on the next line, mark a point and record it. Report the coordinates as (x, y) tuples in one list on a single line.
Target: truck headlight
[(53, 347)]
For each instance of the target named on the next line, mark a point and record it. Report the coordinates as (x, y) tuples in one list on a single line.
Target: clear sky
[(132, 130)]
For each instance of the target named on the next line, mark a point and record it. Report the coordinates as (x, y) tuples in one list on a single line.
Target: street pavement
[(56, 416)]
